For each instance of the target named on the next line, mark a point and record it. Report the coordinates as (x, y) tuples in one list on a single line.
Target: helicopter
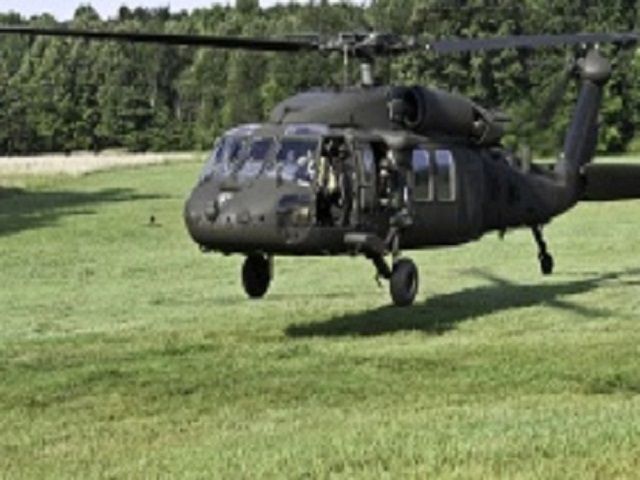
[(374, 170)]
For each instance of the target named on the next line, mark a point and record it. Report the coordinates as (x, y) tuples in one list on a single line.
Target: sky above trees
[(63, 9)]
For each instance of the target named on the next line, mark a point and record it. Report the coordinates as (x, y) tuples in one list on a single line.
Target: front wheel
[(256, 275), (404, 282)]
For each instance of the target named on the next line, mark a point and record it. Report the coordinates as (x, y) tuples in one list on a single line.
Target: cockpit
[(295, 176), (249, 152)]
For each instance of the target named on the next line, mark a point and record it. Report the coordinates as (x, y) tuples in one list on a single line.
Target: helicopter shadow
[(22, 209), (442, 313)]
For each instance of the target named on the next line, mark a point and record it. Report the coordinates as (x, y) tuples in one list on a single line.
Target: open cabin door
[(336, 183)]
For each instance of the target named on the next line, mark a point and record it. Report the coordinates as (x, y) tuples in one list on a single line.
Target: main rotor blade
[(529, 42), (238, 43), (367, 45)]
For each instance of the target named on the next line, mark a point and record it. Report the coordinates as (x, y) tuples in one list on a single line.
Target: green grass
[(124, 352)]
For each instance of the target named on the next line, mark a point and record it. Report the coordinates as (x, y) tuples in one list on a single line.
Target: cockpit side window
[(224, 152), (295, 157), (212, 163)]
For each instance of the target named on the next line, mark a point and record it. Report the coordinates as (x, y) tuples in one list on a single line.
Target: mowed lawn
[(125, 352)]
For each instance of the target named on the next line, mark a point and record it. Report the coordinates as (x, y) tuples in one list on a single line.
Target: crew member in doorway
[(327, 186), (344, 171)]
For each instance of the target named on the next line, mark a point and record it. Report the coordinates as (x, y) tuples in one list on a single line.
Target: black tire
[(256, 275), (404, 282), (546, 264)]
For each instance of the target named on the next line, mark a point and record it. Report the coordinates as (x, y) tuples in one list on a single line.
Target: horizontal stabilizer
[(609, 182)]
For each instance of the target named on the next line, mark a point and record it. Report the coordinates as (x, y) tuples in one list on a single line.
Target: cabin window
[(423, 179), (445, 176)]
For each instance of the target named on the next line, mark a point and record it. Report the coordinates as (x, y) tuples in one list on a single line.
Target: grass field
[(124, 352)]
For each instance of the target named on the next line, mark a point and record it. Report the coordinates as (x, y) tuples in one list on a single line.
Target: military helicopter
[(376, 169)]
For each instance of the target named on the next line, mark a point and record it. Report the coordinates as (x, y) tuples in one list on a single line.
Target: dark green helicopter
[(374, 169)]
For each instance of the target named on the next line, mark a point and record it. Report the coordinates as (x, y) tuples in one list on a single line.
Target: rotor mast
[(366, 47)]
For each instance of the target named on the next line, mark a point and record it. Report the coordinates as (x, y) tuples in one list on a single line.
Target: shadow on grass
[(442, 313), (22, 209)]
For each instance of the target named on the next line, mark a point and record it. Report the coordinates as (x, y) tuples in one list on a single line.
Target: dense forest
[(63, 95)]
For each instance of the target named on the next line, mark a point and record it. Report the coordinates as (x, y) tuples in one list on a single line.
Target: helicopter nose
[(198, 211), (262, 216), (191, 217), (191, 214)]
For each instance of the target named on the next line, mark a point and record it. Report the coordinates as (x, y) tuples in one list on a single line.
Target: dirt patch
[(82, 163)]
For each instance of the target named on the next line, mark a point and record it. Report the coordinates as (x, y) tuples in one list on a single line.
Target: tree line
[(61, 95)]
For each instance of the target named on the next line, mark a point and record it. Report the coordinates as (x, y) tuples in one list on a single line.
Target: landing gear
[(545, 258), (256, 275), (403, 283), (403, 277)]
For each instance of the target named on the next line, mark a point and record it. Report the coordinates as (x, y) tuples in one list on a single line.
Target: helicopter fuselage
[(445, 192), (375, 171)]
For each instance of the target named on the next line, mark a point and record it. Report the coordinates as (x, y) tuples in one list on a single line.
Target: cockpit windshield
[(235, 154), (253, 156), (225, 150), (245, 155)]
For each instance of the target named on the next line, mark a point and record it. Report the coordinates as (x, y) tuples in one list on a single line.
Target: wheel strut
[(382, 268), (393, 243), (402, 273)]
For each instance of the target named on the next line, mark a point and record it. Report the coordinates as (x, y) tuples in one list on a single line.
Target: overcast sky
[(63, 9)]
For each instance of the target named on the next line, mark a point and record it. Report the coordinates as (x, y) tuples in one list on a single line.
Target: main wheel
[(256, 275), (404, 282)]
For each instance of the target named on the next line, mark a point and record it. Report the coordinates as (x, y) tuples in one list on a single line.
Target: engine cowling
[(431, 112)]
